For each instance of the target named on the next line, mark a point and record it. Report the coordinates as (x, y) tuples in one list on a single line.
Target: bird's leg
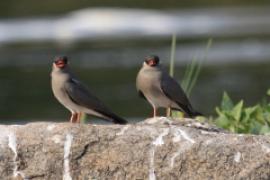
[(73, 117), (79, 118), (155, 112), (168, 112)]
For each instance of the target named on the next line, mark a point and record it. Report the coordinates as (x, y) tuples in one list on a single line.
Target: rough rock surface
[(154, 149)]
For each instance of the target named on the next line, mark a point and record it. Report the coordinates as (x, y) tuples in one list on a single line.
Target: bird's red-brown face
[(61, 62), (152, 61)]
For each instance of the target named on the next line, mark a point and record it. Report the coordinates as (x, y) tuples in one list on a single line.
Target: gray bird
[(75, 96), (156, 86)]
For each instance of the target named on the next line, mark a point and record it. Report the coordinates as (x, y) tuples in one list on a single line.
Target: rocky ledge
[(154, 149)]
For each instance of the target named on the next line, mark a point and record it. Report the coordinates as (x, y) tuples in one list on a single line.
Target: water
[(118, 23), (26, 92), (107, 57)]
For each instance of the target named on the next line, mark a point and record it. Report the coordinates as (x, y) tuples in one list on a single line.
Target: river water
[(107, 46)]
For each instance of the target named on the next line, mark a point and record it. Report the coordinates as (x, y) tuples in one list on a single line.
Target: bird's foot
[(73, 118), (168, 112)]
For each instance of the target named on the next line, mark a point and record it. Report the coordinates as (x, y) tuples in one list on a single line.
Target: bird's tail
[(196, 113), (110, 116), (114, 118), (191, 112), (118, 120)]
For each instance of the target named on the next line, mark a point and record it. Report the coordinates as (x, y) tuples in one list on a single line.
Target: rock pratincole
[(72, 94), (160, 89)]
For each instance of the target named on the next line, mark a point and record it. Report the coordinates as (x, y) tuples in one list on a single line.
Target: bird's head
[(60, 62), (151, 60)]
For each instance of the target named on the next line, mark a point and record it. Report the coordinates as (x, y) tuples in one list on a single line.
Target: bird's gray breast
[(58, 86), (149, 82)]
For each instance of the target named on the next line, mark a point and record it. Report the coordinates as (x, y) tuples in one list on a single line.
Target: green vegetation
[(236, 118), (172, 59), (239, 118), (193, 70)]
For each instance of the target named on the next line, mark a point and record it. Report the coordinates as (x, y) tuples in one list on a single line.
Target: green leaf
[(265, 130), (256, 127), (177, 114), (223, 121), (267, 108), (240, 119), (237, 111), (268, 92), (232, 129), (251, 110), (249, 113), (226, 103), (218, 111)]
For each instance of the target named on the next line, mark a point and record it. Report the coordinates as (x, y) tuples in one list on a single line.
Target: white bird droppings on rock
[(51, 127), (157, 120), (208, 132), (3, 137), (159, 140), (209, 141), (185, 136), (152, 175), (174, 156), (56, 139), (12, 144), (265, 148), (67, 147), (178, 135), (152, 120), (237, 157), (123, 130)]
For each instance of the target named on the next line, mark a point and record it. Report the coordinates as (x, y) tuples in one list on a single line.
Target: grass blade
[(188, 74), (172, 60), (196, 69)]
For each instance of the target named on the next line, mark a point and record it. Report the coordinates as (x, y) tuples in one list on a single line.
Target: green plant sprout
[(191, 73), (193, 70), (172, 59)]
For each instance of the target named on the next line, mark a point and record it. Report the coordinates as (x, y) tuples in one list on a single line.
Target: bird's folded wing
[(80, 95), (173, 90)]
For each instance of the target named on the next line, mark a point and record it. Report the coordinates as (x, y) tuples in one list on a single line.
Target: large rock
[(155, 149)]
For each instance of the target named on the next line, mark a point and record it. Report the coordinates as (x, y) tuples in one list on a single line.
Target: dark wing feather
[(174, 92), (80, 95)]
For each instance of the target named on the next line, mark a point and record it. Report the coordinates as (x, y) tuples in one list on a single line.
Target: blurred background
[(107, 40)]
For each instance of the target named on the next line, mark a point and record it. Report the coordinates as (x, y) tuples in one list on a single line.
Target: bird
[(75, 96), (155, 85)]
